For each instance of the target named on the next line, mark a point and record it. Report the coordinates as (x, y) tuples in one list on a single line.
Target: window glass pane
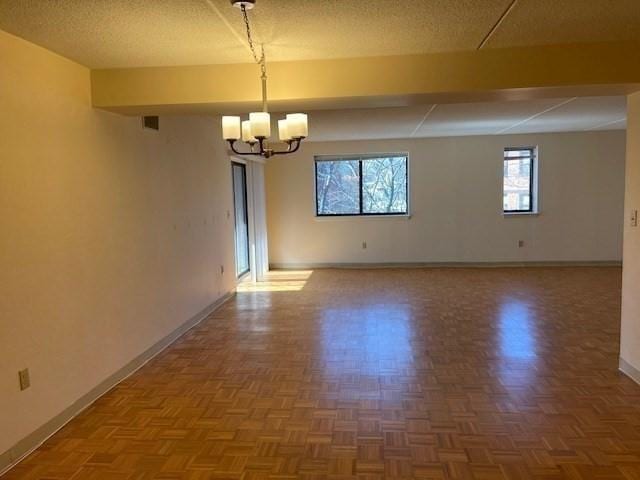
[(517, 153), (338, 187), (384, 185), (241, 225), (517, 180)]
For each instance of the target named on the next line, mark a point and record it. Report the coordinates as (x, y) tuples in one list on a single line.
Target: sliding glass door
[(239, 171)]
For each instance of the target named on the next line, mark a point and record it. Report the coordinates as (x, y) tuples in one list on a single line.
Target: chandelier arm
[(233, 149), (295, 148), (292, 146)]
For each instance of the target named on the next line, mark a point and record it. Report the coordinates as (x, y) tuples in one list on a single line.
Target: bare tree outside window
[(337, 187), (384, 185), (361, 186)]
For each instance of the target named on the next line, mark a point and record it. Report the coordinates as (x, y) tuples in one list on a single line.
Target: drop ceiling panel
[(538, 22), (587, 113), (551, 115), (481, 118), (620, 124), (356, 124)]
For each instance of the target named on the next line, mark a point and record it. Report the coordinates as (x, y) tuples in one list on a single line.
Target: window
[(239, 177), (361, 185), (519, 180)]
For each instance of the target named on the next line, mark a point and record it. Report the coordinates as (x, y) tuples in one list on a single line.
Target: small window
[(518, 195), (362, 185)]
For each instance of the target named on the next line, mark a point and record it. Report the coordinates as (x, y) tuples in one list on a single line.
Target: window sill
[(323, 218), (518, 214)]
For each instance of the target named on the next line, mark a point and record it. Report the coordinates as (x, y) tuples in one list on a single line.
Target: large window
[(361, 185), (518, 194)]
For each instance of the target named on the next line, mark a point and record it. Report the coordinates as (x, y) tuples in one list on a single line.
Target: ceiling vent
[(151, 122)]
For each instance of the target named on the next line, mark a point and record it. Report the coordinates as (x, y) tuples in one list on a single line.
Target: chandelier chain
[(258, 59)]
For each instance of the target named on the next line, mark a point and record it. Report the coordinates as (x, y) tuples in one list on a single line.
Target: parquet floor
[(335, 374)]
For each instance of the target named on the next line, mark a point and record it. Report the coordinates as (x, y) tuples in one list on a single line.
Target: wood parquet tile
[(376, 374)]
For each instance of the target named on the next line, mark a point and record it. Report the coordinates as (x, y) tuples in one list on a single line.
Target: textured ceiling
[(131, 33), (540, 22), (495, 118)]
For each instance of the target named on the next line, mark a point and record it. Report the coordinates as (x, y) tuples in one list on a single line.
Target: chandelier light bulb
[(231, 127), (260, 124), (247, 136), (283, 130), (298, 125)]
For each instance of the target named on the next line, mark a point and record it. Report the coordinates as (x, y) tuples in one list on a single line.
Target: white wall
[(630, 329), (456, 204), (111, 237)]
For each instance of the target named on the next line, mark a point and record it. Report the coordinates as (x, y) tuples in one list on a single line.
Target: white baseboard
[(28, 444), (629, 370), (312, 266)]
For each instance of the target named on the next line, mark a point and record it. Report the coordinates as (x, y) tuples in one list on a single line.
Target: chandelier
[(255, 131)]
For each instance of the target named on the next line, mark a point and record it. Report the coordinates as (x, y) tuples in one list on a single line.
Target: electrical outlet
[(364, 245), (25, 379), (634, 218), (520, 243)]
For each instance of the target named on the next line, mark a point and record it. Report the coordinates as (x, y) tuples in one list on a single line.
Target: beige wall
[(630, 332), (456, 204), (111, 236)]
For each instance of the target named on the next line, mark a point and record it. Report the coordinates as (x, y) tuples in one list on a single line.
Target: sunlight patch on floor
[(289, 275), (278, 281)]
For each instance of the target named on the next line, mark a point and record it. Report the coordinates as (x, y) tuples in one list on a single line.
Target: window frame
[(360, 158), (533, 181)]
